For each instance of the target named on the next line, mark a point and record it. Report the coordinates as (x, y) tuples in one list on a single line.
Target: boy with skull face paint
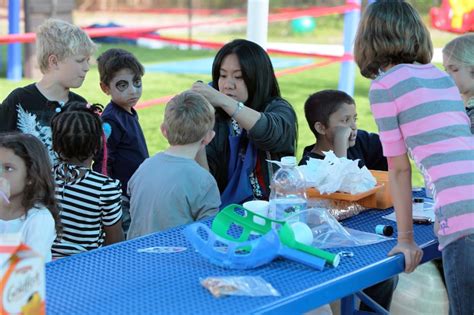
[(120, 77)]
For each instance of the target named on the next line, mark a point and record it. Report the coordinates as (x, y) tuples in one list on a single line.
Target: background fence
[(422, 5)]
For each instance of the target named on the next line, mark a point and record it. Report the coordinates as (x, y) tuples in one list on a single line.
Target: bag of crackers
[(22, 275)]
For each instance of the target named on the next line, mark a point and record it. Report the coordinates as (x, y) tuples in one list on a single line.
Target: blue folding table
[(119, 279)]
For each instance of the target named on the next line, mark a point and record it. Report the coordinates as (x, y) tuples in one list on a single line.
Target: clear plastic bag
[(339, 209), (329, 233), (245, 285)]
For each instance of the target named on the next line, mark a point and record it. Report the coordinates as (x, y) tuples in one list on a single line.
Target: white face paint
[(125, 89)]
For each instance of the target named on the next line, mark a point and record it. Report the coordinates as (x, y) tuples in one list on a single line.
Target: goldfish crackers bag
[(22, 284)]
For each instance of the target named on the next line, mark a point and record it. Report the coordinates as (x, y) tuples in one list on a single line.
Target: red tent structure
[(455, 16)]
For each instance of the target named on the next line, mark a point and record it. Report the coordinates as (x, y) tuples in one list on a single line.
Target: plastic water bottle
[(288, 191)]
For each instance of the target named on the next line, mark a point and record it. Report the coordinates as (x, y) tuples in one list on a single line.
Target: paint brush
[(3, 195)]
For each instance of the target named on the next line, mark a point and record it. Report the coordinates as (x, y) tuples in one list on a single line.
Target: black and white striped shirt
[(89, 201)]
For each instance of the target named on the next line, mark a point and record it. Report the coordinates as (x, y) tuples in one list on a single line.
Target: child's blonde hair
[(461, 49), (62, 39), (391, 32), (188, 117)]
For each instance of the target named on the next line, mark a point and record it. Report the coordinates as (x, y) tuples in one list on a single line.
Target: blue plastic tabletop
[(118, 279)]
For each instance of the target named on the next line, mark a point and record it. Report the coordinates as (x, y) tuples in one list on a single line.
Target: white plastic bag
[(337, 174)]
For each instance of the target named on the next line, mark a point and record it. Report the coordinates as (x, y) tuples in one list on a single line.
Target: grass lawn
[(295, 87)]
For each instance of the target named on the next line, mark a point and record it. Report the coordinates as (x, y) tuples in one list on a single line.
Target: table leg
[(348, 305), (371, 303)]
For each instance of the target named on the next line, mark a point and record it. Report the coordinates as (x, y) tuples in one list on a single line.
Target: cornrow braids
[(77, 131)]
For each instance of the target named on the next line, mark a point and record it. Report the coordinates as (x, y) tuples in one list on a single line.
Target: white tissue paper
[(337, 174)]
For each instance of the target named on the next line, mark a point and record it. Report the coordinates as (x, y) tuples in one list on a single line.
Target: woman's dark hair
[(77, 131), (39, 185), (257, 71)]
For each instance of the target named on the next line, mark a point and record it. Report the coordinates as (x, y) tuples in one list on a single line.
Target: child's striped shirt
[(88, 201), (418, 109)]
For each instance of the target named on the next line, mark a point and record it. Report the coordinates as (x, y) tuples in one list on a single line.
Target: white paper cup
[(257, 206)]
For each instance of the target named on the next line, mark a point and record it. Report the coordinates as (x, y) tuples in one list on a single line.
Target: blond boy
[(171, 188), (63, 52)]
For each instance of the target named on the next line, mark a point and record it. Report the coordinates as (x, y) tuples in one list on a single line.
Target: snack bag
[(22, 274), (245, 285)]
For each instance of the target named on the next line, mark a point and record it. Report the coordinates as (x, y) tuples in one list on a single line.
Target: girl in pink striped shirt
[(420, 113)]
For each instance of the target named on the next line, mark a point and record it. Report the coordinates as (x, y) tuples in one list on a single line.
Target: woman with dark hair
[(253, 123)]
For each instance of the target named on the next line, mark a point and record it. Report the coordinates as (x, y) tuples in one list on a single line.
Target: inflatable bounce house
[(454, 16)]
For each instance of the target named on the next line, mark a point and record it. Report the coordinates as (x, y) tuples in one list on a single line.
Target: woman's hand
[(216, 98), (411, 251), (245, 116)]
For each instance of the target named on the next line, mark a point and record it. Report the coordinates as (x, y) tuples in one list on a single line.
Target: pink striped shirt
[(419, 110)]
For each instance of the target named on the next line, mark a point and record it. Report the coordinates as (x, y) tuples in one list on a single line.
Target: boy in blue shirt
[(332, 117), (121, 78), (171, 188)]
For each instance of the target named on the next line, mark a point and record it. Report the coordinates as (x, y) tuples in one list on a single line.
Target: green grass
[(295, 87), (328, 31)]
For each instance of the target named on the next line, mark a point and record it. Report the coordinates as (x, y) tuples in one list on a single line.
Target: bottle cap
[(302, 232), (385, 230), (288, 160)]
